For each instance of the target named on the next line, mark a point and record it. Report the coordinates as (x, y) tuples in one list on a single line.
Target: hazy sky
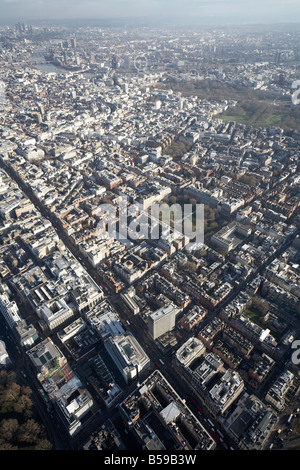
[(258, 11)]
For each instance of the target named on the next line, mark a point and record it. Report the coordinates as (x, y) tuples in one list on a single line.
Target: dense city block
[(129, 341)]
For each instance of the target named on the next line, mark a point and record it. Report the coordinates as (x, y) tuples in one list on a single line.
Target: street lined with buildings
[(184, 349)]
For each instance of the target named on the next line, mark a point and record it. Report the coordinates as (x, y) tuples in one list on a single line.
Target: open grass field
[(253, 314), (264, 113), (255, 108)]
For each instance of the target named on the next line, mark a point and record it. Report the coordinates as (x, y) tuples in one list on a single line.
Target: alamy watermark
[(296, 354), (140, 221), (296, 94), (140, 63), (144, 63)]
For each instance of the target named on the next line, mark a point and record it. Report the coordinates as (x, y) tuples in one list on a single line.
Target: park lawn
[(253, 314), (262, 113), (256, 108)]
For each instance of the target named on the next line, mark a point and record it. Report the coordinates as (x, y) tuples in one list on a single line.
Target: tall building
[(25, 334), (128, 355), (9, 310), (162, 320)]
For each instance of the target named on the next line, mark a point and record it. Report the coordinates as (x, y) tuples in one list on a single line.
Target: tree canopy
[(19, 423)]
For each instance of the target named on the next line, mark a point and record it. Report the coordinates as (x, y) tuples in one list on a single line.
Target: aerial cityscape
[(149, 236)]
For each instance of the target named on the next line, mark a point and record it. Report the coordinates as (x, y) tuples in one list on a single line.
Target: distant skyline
[(213, 11)]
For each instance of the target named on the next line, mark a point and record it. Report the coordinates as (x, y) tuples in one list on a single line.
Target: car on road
[(192, 400), (199, 409)]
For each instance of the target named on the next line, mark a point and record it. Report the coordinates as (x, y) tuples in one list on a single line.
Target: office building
[(162, 320), (128, 355)]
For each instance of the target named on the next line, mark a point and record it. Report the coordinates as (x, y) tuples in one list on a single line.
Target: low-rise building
[(189, 351), (250, 423), (276, 393), (72, 410)]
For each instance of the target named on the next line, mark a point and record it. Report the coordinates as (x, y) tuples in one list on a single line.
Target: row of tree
[(211, 215), (19, 424)]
